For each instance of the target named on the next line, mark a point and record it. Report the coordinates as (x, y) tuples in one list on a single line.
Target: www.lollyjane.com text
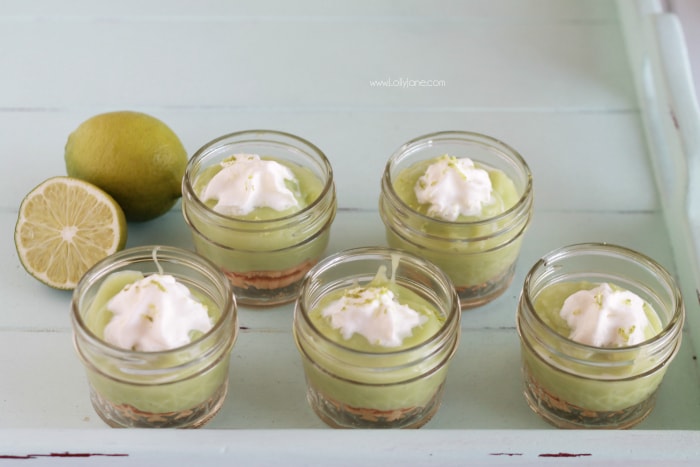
[(405, 83)]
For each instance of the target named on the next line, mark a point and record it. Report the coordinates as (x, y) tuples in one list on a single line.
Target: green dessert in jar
[(599, 325), (457, 191), (607, 373), (260, 205), (375, 363), (462, 214), (159, 322), (254, 189)]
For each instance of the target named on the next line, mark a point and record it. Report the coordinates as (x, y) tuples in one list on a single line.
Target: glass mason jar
[(179, 388), (349, 387), (479, 256), (573, 385), (265, 260)]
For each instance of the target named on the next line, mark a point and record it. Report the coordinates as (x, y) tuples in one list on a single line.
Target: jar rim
[(674, 324), (187, 186), (453, 312), (472, 137), (147, 253)]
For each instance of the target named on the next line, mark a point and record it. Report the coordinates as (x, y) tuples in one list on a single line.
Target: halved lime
[(64, 227)]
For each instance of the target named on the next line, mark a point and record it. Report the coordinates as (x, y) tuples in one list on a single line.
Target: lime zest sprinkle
[(626, 334), (599, 299), (160, 286)]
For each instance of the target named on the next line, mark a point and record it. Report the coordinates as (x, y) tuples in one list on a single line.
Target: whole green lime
[(134, 157)]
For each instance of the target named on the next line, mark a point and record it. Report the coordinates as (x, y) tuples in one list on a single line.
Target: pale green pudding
[(165, 391), (356, 341), (505, 195), (476, 248), (305, 186), (584, 383), (368, 367)]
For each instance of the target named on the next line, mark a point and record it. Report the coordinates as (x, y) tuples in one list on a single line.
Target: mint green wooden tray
[(596, 96)]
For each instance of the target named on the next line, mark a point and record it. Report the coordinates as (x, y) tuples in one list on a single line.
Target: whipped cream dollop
[(374, 313), (454, 187), (153, 314), (604, 317), (247, 182)]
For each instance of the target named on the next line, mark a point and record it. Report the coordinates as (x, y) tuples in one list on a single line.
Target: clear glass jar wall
[(179, 388), (357, 387), (478, 255), (575, 385), (265, 259)]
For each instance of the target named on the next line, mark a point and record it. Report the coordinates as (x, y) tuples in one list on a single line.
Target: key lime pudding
[(260, 205), (376, 329), (599, 325), (463, 201), (154, 327)]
